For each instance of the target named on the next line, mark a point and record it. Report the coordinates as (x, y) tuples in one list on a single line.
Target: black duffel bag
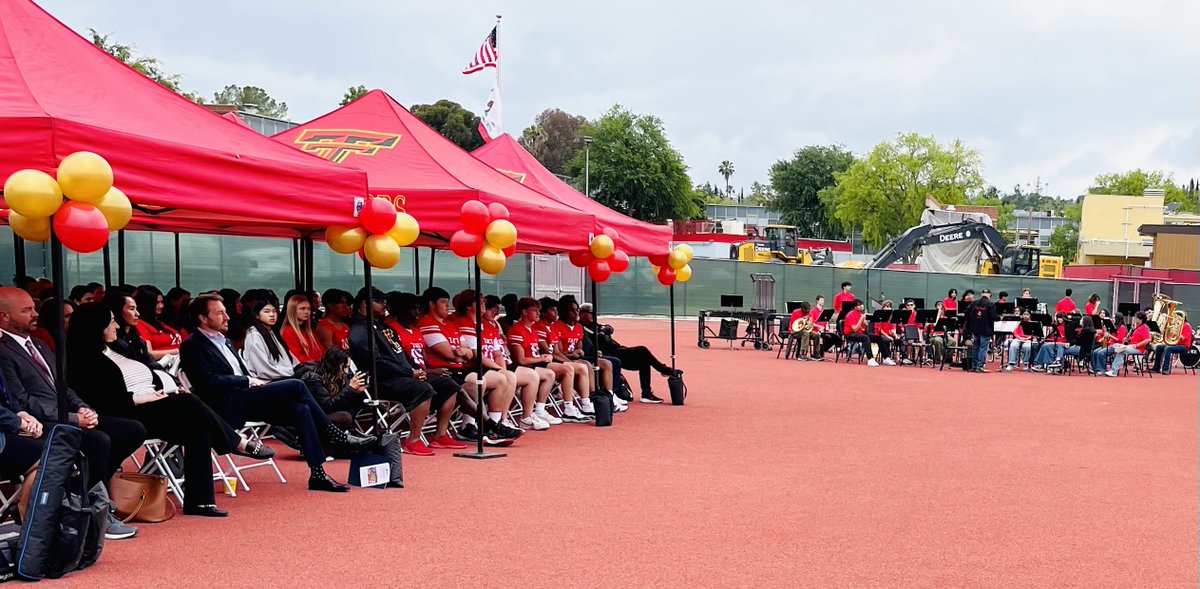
[(677, 388), (602, 403)]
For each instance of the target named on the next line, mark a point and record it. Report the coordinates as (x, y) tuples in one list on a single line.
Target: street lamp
[(587, 165)]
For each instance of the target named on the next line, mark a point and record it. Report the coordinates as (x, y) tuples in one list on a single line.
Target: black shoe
[(205, 510), (651, 398), (256, 450), (354, 444), (468, 433), (502, 431), (326, 483), (624, 394), (394, 485)]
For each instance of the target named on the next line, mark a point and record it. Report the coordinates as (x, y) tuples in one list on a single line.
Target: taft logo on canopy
[(518, 176), (336, 145)]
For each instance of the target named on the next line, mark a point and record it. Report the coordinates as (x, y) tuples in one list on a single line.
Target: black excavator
[(1001, 258)]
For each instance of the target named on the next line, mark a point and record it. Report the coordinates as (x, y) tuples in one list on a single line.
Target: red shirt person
[(1065, 304), (950, 303), (843, 297)]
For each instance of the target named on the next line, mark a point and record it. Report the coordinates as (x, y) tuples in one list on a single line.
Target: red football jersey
[(435, 332), (526, 337), (412, 342), (570, 338)]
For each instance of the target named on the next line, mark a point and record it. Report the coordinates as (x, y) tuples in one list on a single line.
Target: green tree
[(251, 99), (1135, 181), (451, 120), (147, 66), (761, 194), (1064, 241), (884, 193), (635, 169), (352, 94), (554, 138), (711, 195), (796, 186), (726, 171)]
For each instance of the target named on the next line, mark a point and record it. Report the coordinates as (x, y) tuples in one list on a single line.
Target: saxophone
[(1170, 325)]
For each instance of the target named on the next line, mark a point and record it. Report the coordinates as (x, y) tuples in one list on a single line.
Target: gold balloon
[(381, 251), (677, 259), (687, 250), (29, 228), (32, 193), (501, 233), (405, 231), (684, 273), (602, 246), (116, 208), (345, 239), (653, 270), (85, 176), (490, 259)]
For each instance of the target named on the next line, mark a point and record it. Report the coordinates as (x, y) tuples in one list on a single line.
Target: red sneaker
[(417, 448), (447, 443)]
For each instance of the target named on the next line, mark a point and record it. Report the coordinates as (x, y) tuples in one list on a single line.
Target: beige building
[(1108, 228), (1175, 246)]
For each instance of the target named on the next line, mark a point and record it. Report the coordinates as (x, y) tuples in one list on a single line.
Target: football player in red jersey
[(525, 349), (549, 343), (494, 367), (569, 332), (533, 384)]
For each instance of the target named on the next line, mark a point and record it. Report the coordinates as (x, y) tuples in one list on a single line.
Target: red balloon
[(659, 260), (612, 233), (498, 211), (81, 226), (599, 270), (510, 250), (581, 258), (619, 261), (378, 216), (666, 275), (475, 217), (465, 245)]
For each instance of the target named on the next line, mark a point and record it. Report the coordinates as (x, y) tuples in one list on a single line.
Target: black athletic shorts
[(409, 392), (443, 388)]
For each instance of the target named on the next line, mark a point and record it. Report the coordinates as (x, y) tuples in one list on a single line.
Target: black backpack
[(65, 521)]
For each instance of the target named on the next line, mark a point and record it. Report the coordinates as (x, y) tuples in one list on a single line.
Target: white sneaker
[(585, 405), (571, 413), (619, 402), (1008, 367), (534, 423), (1110, 373), (546, 417), (620, 408), (872, 362), (889, 362)]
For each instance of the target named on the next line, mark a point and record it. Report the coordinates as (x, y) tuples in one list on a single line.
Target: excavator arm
[(923, 235)]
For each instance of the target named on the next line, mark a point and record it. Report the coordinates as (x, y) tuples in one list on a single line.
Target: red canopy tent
[(182, 167), (430, 177), (638, 238)]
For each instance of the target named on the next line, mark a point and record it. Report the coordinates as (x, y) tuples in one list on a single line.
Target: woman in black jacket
[(339, 393), (115, 384)]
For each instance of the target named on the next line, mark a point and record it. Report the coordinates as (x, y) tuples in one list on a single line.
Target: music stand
[(1128, 309), (825, 316), (946, 325), (732, 301), (901, 316), (1030, 303), (1153, 325), (1043, 318), (846, 308), (793, 305), (1033, 329), (1109, 325), (1097, 322), (925, 316), (951, 313), (880, 316), (1006, 308)]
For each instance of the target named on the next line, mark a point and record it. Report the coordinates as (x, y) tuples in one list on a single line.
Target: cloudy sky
[(1058, 89)]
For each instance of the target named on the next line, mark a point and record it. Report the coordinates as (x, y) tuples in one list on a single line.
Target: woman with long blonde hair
[(297, 332)]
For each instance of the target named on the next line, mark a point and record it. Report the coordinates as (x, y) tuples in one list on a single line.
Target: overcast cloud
[(1064, 90)]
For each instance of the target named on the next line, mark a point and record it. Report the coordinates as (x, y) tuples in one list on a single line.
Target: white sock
[(468, 420), (494, 416), (539, 407)]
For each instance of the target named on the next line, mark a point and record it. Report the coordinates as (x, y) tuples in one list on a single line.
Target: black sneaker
[(502, 431), (624, 394), (651, 398), (468, 433)]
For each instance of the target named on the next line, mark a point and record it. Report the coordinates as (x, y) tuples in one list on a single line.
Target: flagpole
[(499, 90)]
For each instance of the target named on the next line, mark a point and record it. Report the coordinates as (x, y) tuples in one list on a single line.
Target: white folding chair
[(10, 492), (253, 431), (158, 452)]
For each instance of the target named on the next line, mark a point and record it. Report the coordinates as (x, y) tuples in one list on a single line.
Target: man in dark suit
[(218, 376), (30, 379), (981, 321), (20, 433)]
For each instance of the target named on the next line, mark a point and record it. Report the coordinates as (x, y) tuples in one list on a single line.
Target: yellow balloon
[(381, 251), (501, 233), (677, 259), (345, 239), (683, 274), (602, 246), (85, 176), (490, 259), (687, 250), (32, 193), (406, 230), (29, 228), (116, 208)]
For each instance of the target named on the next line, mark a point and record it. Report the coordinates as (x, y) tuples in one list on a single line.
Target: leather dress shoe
[(204, 511), (326, 484), (355, 444), (255, 449)]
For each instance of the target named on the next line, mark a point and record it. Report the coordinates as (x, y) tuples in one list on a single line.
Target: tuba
[(1170, 325)]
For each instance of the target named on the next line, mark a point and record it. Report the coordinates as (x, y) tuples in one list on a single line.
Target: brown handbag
[(140, 497)]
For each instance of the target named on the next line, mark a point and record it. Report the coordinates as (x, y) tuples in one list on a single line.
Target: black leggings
[(641, 359)]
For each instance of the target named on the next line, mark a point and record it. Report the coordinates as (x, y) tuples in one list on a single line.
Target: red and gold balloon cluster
[(93, 206), (673, 266), (380, 233), (487, 235), (602, 257)]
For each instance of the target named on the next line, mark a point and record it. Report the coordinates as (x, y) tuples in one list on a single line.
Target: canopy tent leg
[(374, 370), (596, 335), (417, 270), (672, 291), (479, 453), (107, 252), (432, 260), (308, 263), (178, 272), (120, 258), (59, 327), (19, 255), (297, 265)]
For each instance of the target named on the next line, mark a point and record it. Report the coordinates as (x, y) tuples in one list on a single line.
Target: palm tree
[(726, 170)]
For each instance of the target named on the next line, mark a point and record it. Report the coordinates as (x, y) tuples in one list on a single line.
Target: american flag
[(487, 56)]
